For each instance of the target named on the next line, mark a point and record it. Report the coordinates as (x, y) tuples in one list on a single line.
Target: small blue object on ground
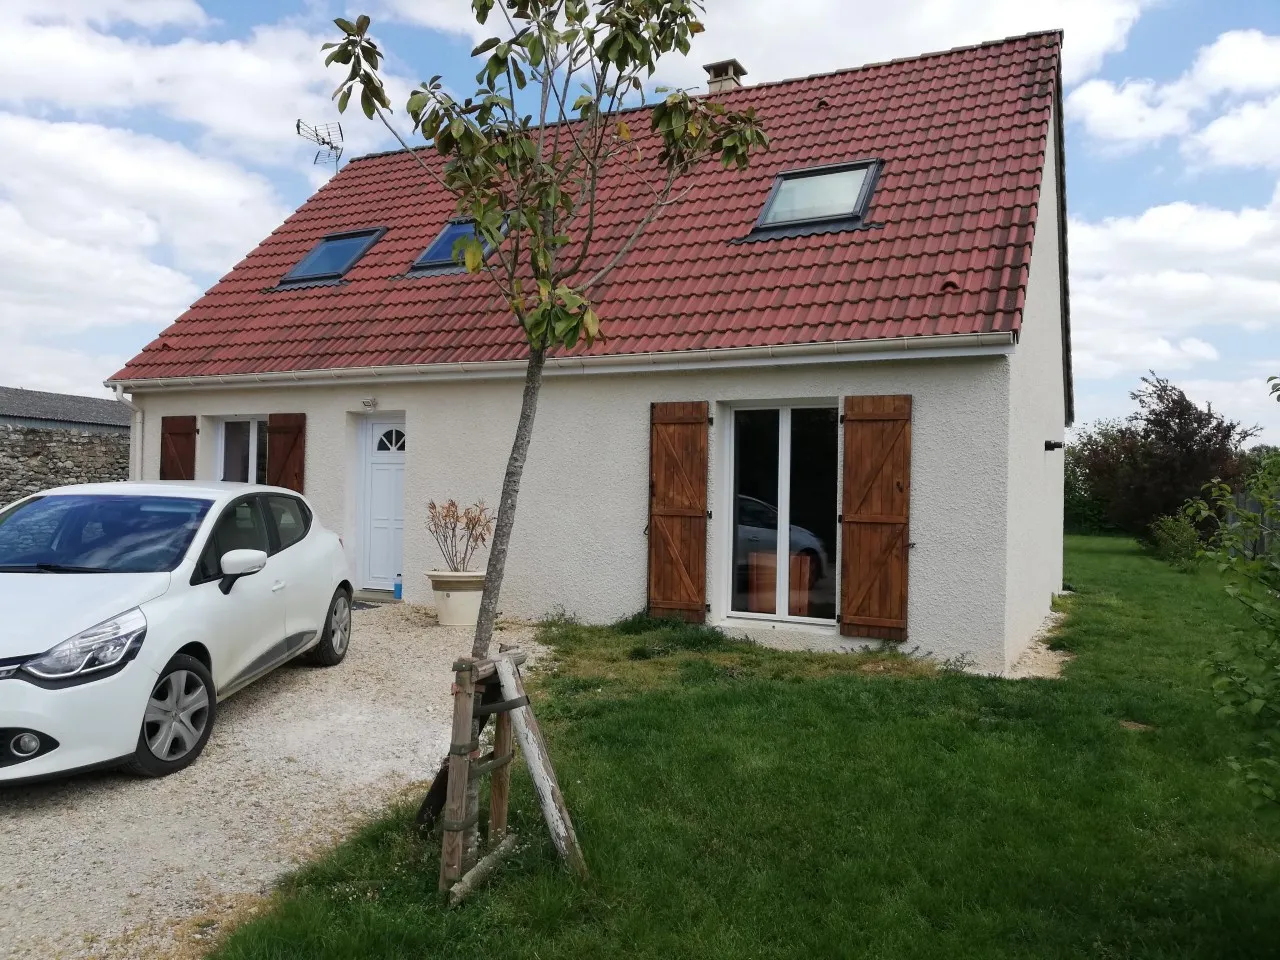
[(399, 588)]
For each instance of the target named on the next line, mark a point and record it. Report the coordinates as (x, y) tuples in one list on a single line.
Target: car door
[(245, 627), (300, 565)]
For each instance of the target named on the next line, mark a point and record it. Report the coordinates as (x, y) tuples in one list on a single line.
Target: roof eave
[(723, 358), (1060, 171)]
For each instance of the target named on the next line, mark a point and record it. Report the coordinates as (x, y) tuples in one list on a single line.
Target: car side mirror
[(240, 563)]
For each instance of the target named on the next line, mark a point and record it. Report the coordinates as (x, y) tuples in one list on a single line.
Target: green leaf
[(366, 103), (362, 24), (486, 46), (342, 100), (346, 26), (473, 256)]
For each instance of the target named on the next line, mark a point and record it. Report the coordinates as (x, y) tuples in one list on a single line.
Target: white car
[(132, 609)]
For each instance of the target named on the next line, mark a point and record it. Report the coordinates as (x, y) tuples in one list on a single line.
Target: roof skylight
[(820, 194), (334, 255), (440, 253)]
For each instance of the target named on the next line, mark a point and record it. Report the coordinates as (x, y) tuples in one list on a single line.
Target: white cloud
[(1237, 66), (1248, 400), (144, 13), (1246, 136), (102, 227), (61, 370), (1239, 61), (809, 36), (1128, 112), (243, 95), (1145, 289), (795, 39), (448, 16), (111, 187)]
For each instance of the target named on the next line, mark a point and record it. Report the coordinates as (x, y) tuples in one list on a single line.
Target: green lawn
[(735, 803)]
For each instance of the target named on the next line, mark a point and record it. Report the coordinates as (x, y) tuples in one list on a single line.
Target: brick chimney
[(724, 75)]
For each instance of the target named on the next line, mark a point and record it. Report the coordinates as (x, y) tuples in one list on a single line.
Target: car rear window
[(98, 533), (290, 517)]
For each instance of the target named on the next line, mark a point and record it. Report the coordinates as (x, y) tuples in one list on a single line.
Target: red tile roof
[(962, 136)]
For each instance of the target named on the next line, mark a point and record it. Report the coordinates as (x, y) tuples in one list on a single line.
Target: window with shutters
[(785, 462), (242, 450)]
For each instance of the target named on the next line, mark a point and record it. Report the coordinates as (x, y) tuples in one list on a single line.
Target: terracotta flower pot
[(457, 596)]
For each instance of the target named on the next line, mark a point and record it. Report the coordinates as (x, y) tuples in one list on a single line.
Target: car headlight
[(101, 647)]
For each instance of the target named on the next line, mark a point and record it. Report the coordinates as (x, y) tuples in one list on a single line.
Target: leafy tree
[(1148, 465), (1246, 678), (1083, 510), (536, 182), (1251, 460)]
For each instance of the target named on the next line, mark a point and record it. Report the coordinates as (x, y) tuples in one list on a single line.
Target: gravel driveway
[(110, 866)]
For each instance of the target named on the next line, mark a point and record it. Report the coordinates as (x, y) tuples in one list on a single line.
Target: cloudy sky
[(147, 145)]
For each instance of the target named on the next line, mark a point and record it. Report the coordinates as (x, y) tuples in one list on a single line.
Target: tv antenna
[(327, 136)]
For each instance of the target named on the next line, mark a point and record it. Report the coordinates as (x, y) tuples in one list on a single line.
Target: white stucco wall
[(579, 540), (1036, 414)]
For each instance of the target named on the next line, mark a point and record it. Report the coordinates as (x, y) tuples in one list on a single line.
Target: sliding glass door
[(785, 468)]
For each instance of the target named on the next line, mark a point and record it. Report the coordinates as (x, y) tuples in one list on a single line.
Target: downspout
[(138, 433)]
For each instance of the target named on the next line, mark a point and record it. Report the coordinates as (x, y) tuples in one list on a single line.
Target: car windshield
[(85, 533)]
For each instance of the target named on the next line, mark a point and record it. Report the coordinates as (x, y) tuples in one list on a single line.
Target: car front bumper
[(93, 723)]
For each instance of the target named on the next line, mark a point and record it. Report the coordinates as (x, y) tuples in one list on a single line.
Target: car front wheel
[(335, 639), (178, 720)]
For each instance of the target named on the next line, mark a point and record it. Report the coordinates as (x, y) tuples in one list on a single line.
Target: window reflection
[(814, 466), (235, 450), (811, 475), (755, 470)]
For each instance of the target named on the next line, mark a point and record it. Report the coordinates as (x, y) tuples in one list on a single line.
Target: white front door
[(384, 503)]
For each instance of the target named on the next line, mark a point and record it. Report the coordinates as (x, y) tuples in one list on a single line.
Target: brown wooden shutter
[(286, 450), (876, 516), (678, 510), (177, 448)]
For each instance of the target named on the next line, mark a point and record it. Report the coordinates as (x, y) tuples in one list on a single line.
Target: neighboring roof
[(62, 407), (946, 250)]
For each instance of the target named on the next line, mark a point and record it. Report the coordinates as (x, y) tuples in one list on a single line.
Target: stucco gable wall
[(1036, 414)]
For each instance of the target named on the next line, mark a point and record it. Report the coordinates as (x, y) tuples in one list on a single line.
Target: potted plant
[(459, 533)]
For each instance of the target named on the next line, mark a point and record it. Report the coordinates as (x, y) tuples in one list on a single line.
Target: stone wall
[(33, 459)]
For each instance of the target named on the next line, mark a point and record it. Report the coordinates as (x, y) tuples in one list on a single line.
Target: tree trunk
[(498, 564), (507, 506)]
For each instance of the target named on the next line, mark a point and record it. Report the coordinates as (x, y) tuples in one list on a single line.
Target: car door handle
[(277, 586)]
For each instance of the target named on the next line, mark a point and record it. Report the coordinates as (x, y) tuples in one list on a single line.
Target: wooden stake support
[(514, 722)]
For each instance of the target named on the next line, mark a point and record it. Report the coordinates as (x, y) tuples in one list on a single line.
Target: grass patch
[(738, 802)]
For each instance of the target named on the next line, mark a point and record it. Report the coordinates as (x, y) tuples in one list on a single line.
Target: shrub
[(1176, 541), (1149, 465), (1246, 676), (1083, 511), (459, 533)]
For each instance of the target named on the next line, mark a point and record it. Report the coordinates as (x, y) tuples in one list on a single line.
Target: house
[(62, 411), (50, 439), (861, 341)]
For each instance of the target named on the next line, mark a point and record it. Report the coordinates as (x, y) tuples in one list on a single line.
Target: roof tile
[(962, 136)]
